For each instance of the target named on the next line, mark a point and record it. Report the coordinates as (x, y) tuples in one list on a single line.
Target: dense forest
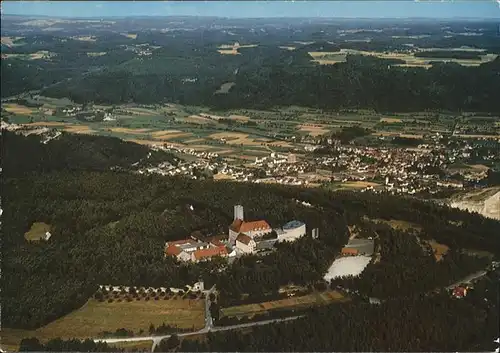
[(103, 235), (414, 324), (361, 82), (58, 345), (264, 75)]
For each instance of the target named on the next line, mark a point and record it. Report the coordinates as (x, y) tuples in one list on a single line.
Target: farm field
[(96, 317), (204, 130), (314, 130), (17, 109), (294, 302), (329, 58)]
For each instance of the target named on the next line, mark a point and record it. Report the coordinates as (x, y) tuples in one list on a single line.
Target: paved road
[(157, 339), (468, 279), (209, 322)]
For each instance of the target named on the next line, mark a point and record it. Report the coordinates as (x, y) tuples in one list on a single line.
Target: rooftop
[(243, 227), (243, 238), (293, 224), (214, 251)]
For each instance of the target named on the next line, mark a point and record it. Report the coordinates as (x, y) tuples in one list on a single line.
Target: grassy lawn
[(37, 231), (95, 317), (313, 299)]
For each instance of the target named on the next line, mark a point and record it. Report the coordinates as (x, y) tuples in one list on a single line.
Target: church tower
[(238, 212)]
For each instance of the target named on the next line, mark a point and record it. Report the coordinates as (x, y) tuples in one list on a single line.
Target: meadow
[(309, 300), (96, 317)]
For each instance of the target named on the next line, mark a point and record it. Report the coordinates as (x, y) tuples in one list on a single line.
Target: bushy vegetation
[(58, 345)]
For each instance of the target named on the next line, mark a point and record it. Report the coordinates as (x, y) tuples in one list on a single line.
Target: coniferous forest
[(101, 234)]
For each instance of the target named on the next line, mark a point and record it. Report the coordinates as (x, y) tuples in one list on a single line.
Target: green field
[(96, 317)]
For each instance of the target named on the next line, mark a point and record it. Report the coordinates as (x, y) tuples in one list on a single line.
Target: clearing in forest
[(95, 317), (439, 249), (399, 224), (37, 231)]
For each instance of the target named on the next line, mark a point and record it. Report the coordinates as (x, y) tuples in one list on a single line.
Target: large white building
[(292, 231)]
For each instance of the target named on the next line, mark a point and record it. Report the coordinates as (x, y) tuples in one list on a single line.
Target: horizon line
[(253, 17)]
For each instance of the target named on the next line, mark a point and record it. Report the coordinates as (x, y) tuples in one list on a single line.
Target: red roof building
[(459, 292), (243, 238), (206, 254), (350, 251), (173, 250), (240, 226)]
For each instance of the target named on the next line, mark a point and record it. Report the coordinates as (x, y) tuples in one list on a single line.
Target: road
[(156, 339), (209, 327), (468, 279)]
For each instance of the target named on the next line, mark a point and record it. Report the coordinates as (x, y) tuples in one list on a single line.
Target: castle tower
[(238, 212)]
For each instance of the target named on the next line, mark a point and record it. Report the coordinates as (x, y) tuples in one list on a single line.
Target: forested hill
[(267, 78), (111, 227), (27, 154)]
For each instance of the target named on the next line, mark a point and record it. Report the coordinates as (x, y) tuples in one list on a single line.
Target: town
[(426, 168)]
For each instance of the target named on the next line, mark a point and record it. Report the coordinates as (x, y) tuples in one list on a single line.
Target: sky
[(254, 9)]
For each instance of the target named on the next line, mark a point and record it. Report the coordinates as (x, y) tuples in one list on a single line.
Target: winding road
[(157, 339), (209, 327)]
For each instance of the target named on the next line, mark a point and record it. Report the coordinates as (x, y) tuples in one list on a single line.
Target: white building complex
[(292, 231)]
